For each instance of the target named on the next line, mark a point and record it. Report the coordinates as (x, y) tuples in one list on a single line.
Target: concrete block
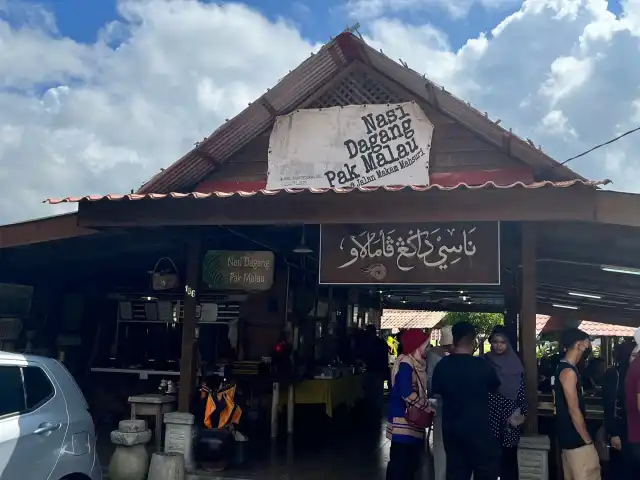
[(130, 439), (179, 418), (533, 457), (132, 426), (180, 436), (129, 463), (166, 466)]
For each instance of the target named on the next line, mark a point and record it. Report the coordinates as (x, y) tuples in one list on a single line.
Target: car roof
[(19, 356), (50, 363)]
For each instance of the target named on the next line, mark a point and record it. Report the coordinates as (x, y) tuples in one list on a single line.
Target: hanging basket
[(167, 279)]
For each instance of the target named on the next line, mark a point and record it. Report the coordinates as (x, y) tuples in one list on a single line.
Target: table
[(153, 405), (143, 374), (332, 392)]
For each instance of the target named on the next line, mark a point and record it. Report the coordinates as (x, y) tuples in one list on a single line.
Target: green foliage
[(484, 322), (546, 349)]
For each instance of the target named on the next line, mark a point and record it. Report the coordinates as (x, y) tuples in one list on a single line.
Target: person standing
[(463, 382), (508, 406), (408, 380), (615, 411), (632, 402), (434, 355), (376, 359), (579, 455)]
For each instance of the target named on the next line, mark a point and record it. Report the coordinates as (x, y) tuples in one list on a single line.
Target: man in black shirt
[(464, 382), (579, 456)]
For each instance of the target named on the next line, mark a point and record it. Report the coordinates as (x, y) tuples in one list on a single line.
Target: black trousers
[(469, 454), (404, 460), (509, 464), (632, 458)]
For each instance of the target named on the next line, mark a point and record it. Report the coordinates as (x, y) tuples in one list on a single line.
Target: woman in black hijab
[(615, 415)]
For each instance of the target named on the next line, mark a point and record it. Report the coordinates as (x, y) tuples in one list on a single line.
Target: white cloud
[(368, 9), (561, 72), (99, 118), (556, 123), (567, 74), (104, 117)]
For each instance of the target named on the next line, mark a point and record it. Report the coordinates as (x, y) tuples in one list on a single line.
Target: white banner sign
[(352, 146)]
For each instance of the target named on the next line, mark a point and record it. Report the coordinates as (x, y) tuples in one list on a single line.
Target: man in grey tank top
[(434, 355)]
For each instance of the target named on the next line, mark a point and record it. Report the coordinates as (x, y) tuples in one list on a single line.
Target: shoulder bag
[(418, 417)]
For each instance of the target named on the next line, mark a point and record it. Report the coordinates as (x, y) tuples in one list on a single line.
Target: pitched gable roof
[(309, 78)]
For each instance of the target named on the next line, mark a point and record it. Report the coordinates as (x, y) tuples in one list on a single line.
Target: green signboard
[(230, 270)]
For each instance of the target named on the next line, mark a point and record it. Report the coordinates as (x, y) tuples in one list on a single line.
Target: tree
[(484, 322)]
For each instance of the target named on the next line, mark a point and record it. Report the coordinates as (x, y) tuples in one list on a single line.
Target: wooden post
[(510, 261), (528, 324), (275, 403), (188, 364), (291, 402)]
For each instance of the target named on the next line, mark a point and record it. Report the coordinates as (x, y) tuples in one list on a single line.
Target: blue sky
[(318, 19), (88, 112)]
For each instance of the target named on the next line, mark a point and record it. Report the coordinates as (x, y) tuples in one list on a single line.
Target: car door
[(33, 433)]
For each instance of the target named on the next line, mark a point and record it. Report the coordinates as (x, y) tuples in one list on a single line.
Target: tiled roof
[(417, 188), (307, 78), (547, 324), (410, 319), (596, 329)]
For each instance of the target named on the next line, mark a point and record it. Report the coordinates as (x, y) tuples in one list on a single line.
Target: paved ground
[(340, 451), (351, 457)]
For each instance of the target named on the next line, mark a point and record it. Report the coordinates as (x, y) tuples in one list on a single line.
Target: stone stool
[(166, 466), (533, 457), (130, 461)]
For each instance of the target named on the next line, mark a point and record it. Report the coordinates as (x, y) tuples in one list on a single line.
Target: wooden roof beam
[(42, 230)]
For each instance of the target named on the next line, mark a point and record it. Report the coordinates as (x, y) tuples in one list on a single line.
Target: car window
[(37, 386), (12, 398)]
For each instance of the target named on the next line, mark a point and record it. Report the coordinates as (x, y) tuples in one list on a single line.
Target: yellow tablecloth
[(333, 392)]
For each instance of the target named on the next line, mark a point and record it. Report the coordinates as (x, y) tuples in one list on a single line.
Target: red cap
[(411, 339)]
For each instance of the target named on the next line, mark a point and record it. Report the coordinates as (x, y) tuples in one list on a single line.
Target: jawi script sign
[(411, 254), (352, 146)]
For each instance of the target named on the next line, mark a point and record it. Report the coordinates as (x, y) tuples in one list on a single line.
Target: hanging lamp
[(302, 246)]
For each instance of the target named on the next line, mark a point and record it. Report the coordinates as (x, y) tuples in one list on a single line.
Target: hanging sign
[(227, 270), (411, 254), (351, 146)]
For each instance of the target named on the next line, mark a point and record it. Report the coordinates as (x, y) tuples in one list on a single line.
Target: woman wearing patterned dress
[(507, 407), (408, 388)]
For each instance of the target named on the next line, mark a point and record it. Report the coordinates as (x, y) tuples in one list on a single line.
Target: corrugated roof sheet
[(306, 79), (399, 319), (199, 196), (594, 329), (237, 132)]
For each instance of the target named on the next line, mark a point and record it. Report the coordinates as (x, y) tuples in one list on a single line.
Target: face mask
[(587, 352)]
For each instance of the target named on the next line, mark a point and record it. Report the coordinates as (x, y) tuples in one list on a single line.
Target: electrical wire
[(601, 145)]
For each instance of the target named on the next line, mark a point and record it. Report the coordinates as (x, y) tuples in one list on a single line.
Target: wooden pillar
[(605, 350), (188, 355), (528, 323), (510, 257)]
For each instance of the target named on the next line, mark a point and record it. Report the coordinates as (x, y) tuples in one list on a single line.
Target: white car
[(46, 430)]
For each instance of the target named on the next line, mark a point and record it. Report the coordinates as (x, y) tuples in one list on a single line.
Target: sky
[(96, 96)]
